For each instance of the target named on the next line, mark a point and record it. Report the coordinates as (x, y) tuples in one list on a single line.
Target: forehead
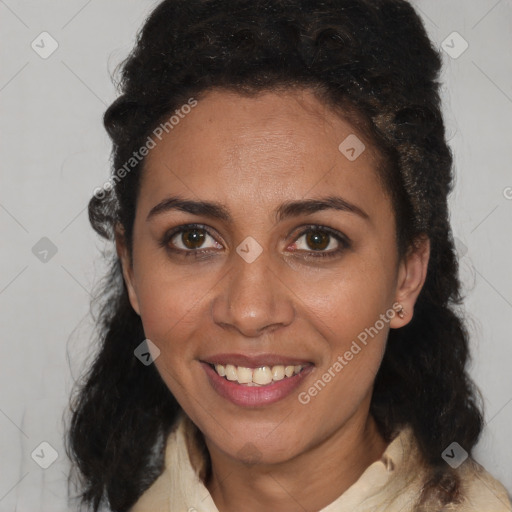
[(270, 147)]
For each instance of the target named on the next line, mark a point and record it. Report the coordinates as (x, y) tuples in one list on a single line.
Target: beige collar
[(184, 490), (391, 484)]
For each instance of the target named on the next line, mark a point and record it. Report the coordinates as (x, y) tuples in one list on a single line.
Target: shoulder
[(156, 497), (180, 485), (480, 490), (471, 488)]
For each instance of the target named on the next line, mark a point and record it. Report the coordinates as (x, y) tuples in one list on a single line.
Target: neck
[(309, 481)]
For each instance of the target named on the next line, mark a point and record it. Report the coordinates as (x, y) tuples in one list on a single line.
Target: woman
[(278, 327)]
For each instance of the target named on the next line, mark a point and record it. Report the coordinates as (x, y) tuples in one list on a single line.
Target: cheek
[(170, 302), (345, 309), (349, 319), (171, 313), (348, 300), (347, 315)]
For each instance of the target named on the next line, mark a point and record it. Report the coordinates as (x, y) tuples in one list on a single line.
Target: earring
[(401, 312)]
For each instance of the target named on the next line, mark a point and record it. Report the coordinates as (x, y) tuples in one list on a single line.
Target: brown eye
[(321, 241), (317, 240), (193, 238), (190, 239)]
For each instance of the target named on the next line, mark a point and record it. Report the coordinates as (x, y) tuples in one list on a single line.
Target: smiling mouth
[(261, 376)]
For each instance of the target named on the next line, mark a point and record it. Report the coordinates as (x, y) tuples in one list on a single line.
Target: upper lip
[(255, 361)]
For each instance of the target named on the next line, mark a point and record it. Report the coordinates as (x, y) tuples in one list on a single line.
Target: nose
[(253, 300)]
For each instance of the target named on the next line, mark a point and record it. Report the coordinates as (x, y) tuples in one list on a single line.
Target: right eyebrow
[(206, 208)]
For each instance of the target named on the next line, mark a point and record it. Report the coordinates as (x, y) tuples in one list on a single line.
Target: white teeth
[(231, 373), (261, 376), (278, 372), (245, 375)]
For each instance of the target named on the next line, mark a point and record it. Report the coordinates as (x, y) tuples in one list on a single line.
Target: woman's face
[(293, 264)]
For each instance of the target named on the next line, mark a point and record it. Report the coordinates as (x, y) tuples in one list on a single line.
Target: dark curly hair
[(372, 61)]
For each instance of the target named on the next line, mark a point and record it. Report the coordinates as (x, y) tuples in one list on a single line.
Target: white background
[(55, 153)]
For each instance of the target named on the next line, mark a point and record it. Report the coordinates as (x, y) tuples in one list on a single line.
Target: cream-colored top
[(391, 484)]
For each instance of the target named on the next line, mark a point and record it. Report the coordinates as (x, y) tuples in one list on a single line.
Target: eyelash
[(198, 253)]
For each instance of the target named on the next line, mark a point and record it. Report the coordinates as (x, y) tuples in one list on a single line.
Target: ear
[(412, 273), (127, 266)]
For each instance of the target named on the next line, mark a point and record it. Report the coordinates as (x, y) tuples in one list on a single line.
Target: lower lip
[(254, 396)]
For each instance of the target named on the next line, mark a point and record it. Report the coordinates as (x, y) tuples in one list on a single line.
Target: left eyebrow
[(309, 206), (286, 210)]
